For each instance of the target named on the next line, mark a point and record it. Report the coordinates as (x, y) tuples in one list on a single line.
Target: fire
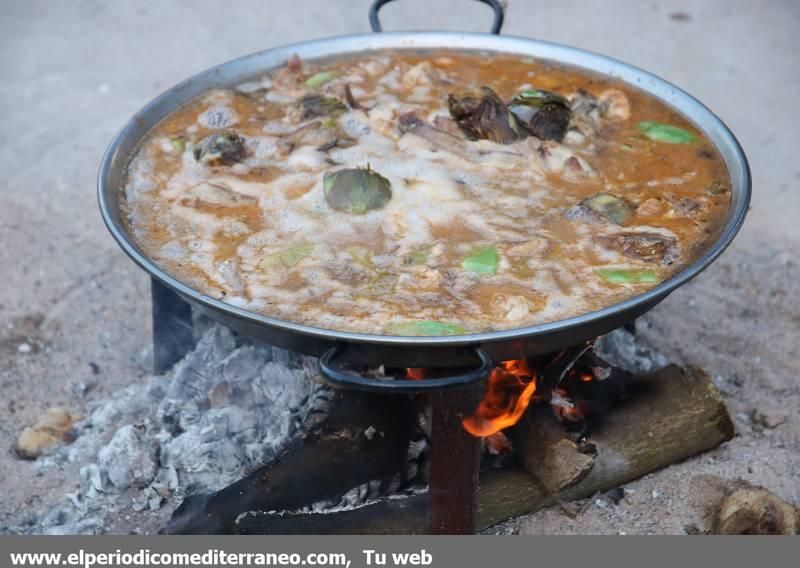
[(415, 373), (508, 393)]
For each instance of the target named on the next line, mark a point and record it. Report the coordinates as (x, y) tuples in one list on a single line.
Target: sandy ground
[(74, 71)]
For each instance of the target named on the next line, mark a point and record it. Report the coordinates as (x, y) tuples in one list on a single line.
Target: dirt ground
[(74, 312)]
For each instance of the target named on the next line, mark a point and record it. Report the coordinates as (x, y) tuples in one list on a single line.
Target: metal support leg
[(455, 462), (172, 327)]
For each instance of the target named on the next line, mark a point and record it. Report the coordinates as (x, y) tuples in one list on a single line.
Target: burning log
[(364, 438), (668, 416), (548, 454)]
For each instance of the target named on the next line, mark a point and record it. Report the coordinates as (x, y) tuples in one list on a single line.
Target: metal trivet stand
[(454, 453)]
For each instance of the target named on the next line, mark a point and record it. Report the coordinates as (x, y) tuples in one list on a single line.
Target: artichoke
[(542, 113), (318, 105), (601, 208), (221, 148), (356, 190), (484, 117)]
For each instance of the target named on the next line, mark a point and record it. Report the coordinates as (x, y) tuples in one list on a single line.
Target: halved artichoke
[(484, 116), (221, 148), (601, 208), (319, 105), (356, 190), (542, 113)]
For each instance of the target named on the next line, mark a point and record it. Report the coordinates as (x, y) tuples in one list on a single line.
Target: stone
[(766, 419), (756, 511), (129, 459), (54, 427)]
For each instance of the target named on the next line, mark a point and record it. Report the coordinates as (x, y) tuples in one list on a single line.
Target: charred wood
[(548, 451), (363, 438), (668, 416)]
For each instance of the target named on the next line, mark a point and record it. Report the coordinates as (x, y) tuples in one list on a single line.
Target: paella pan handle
[(495, 5), (401, 386)]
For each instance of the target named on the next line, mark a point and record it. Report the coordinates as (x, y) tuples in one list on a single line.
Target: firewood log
[(669, 416)]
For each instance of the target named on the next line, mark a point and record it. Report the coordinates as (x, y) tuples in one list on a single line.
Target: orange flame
[(415, 373), (508, 393)]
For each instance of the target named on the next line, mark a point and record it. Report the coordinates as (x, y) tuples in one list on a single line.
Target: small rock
[(756, 511), (91, 480), (24, 348), (615, 495), (53, 428), (768, 420)]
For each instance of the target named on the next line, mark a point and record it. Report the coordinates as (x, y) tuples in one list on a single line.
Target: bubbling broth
[(412, 193)]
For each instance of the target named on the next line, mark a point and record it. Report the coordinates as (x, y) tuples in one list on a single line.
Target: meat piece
[(512, 308), (351, 100), (589, 113), (289, 80), (423, 73), (615, 105), (557, 158), (685, 206), (448, 125), (312, 134), (215, 194), (649, 247), (586, 114), (650, 207), (409, 123)]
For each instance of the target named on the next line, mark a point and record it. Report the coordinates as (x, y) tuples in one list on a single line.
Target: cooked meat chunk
[(649, 247)]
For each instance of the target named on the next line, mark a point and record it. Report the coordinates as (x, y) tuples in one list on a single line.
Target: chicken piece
[(289, 80), (586, 114), (215, 194), (614, 105), (559, 159), (423, 73), (650, 207), (512, 308), (421, 278), (323, 137), (649, 247), (589, 114), (533, 247), (409, 123)]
